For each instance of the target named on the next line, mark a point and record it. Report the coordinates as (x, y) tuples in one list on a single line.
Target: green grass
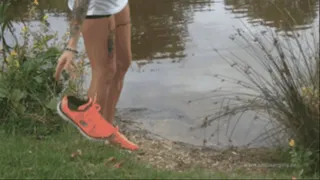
[(30, 157), (27, 157), (50, 157)]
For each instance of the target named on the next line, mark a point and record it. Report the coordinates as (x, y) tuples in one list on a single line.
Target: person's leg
[(98, 35), (123, 59)]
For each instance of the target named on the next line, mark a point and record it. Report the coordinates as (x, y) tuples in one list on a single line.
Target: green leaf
[(301, 172), (52, 104), (20, 108), (17, 95), (3, 92), (308, 153), (38, 79), (29, 66)]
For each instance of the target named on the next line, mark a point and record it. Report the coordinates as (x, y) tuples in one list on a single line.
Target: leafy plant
[(28, 91), (301, 158)]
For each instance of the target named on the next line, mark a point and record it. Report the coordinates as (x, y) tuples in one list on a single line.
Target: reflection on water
[(160, 28), (19, 8), (281, 14)]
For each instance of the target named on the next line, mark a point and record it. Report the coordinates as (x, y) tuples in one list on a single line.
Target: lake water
[(174, 59)]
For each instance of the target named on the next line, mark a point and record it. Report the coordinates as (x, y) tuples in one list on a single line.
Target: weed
[(28, 91), (283, 87)]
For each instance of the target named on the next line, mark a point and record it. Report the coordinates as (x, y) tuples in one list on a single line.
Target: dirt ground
[(165, 154)]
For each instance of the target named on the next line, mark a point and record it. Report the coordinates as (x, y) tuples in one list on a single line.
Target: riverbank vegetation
[(281, 85), (28, 91)]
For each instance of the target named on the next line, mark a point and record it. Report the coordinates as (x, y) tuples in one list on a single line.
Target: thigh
[(99, 37), (123, 36)]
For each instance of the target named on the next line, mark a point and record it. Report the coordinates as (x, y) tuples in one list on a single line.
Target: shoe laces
[(94, 109)]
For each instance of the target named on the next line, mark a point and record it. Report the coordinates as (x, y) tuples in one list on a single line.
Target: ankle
[(107, 118), (110, 120)]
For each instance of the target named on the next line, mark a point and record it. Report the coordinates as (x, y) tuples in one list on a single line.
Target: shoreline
[(165, 154)]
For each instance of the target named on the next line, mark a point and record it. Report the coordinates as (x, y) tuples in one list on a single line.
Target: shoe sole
[(64, 117)]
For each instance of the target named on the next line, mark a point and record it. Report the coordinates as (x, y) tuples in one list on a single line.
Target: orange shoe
[(86, 117), (120, 140)]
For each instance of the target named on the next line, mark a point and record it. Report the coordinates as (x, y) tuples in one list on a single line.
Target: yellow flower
[(12, 61), (291, 143), (25, 29), (16, 64), (13, 53), (45, 17), (304, 90), (36, 2)]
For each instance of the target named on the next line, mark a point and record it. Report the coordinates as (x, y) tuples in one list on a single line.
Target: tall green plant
[(28, 94), (28, 91)]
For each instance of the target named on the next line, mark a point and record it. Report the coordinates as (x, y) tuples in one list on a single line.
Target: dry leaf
[(111, 159), (118, 165), (77, 153), (106, 142), (73, 155), (27, 169)]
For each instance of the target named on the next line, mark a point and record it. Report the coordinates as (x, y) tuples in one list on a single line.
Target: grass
[(29, 157)]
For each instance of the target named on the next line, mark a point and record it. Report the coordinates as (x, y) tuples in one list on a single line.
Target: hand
[(65, 62)]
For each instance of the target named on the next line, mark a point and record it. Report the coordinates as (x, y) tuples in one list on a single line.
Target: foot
[(86, 117), (119, 139)]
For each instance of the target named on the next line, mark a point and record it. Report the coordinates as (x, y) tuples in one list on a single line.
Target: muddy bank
[(162, 153)]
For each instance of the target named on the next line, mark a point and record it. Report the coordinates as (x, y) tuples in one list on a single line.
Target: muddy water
[(174, 61)]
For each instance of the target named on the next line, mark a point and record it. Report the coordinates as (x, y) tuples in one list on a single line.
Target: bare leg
[(123, 60), (98, 37)]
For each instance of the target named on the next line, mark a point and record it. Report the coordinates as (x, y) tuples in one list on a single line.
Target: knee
[(105, 74), (124, 63)]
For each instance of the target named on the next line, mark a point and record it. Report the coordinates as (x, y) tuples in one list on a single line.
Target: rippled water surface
[(172, 44)]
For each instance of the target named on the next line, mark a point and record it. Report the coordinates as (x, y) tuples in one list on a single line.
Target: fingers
[(66, 63), (59, 68), (71, 68)]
